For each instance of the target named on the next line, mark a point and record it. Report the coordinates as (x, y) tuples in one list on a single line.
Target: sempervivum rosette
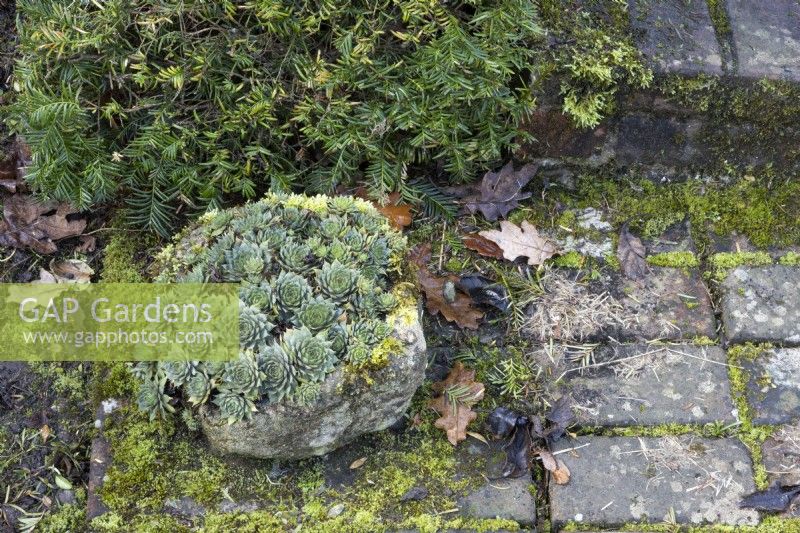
[(311, 355)]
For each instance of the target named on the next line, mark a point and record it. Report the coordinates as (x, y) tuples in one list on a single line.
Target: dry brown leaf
[(631, 254), (86, 244), (501, 191), (482, 245), (525, 241), (461, 310), (67, 271), (561, 474), (30, 224), (45, 432), (397, 212), (358, 463), (457, 394), (555, 466)]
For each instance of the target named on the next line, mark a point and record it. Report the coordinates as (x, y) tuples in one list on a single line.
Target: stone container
[(351, 403)]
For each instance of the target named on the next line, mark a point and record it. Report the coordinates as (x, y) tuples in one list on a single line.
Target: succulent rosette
[(315, 278)]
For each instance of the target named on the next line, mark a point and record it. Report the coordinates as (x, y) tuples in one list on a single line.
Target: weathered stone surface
[(781, 455), (670, 303), (677, 36), (762, 304), (644, 139), (766, 36), (618, 480), (345, 409), (651, 385), (509, 499), (773, 390)]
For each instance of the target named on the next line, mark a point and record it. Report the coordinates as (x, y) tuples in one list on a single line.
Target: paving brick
[(618, 480), (676, 36), (670, 303), (773, 387), (766, 36), (762, 304), (651, 385)]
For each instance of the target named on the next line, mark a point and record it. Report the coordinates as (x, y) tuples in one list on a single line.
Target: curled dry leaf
[(485, 291), (28, 223), (453, 306), (358, 463), (482, 245), (524, 241), (557, 468), (501, 191), (457, 394), (631, 255), (776, 498), (67, 271)]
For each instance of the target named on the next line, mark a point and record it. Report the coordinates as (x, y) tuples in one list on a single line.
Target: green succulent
[(311, 355), (314, 282), (212, 368), (152, 400), (198, 388), (291, 290), (294, 257), (337, 281), (337, 335), (370, 331), (332, 227), (386, 302), (255, 328), (257, 295), (178, 372), (306, 394), (317, 314), (234, 406), (278, 379), (146, 370), (242, 375), (337, 251), (358, 353)]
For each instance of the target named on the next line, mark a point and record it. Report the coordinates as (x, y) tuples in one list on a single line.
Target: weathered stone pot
[(351, 403)]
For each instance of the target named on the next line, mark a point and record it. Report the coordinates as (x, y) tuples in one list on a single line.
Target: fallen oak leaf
[(524, 241), (30, 224), (453, 306), (631, 254), (501, 191), (482, 245), (458, 392)]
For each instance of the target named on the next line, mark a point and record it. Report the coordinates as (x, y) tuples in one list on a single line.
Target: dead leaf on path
[(525, 241), (501, 191), (67, 271), (555, 466), (460, 310), (482, 245), (458, 393), (86, 244), (30, 224), (631, 254), (358, 463)]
